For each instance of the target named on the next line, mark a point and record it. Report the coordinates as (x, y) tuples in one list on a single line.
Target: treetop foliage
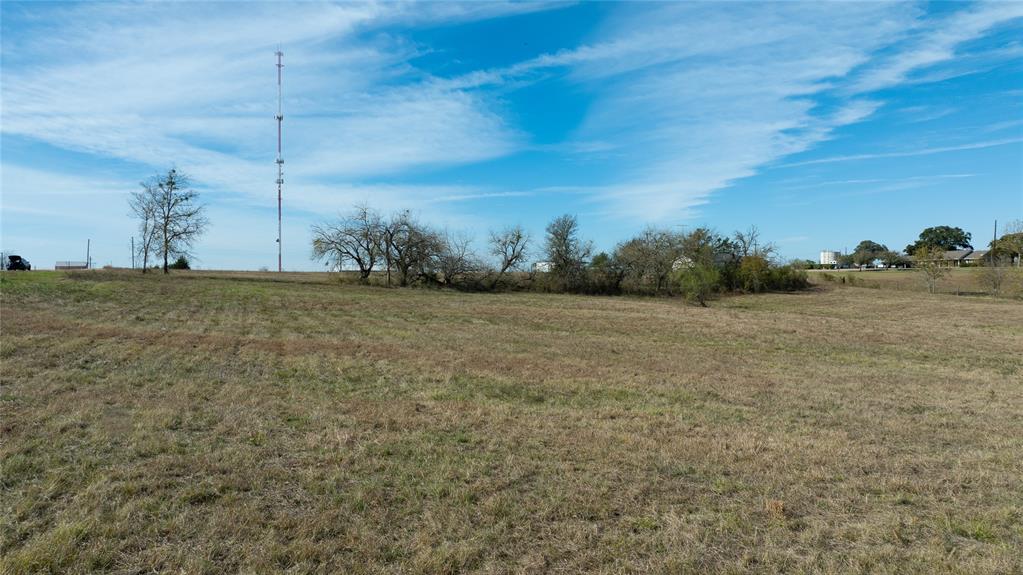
[(944, 238)]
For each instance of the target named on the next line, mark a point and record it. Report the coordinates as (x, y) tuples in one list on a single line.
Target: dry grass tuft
[(776, 508)]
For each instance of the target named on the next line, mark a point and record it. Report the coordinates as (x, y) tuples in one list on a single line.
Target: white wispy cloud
[(694, 98), (155, 84), (1006, 125), (919, 114), (907, 153), (860, 181), (682, 99), (937, 43)]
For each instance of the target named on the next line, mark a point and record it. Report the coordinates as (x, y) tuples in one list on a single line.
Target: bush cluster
[(696, 265)]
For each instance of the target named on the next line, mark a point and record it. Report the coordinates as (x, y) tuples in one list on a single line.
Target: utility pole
[(88, 260), (280, 156), (994, 244)]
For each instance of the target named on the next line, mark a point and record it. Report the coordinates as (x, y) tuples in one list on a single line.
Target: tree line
[(697, 264), (927, 255), (933, 242)]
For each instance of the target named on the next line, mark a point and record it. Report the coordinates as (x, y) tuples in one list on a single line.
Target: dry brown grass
[(961, 281), (210, 423)]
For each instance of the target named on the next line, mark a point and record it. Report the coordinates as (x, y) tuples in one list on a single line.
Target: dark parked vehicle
[(15, 263)]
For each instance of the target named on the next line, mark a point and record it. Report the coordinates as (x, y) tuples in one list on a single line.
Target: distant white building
[(682, 262), (543, 267), (829, 257)]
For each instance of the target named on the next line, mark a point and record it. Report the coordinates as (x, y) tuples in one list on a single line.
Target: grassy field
[(962, 281), (211, 423)]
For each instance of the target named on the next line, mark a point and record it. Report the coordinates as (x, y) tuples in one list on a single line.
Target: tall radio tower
[(280, 157)]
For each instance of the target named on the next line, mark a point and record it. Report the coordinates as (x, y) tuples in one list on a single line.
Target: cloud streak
[(936, 44), (125, 86), (675, 92), (907, 153)]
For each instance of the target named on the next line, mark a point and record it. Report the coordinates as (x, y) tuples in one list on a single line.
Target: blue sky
[(822, 123)]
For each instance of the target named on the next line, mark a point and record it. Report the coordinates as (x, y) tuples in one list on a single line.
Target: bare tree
[(411, 248), (144, 206), (511, 247), (994, 273), (456, 260), (748, 243), (399, 248), (389, 231), (650, 258), (927, 261), (566, 252), (179, 218), (357, 238)]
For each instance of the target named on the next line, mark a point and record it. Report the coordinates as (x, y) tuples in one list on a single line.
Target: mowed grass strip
[(212, 423)]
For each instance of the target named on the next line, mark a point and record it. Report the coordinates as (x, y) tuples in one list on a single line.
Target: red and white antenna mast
[(280, 156)]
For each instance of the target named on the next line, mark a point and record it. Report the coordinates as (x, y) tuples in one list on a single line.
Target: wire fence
[(69, 265)]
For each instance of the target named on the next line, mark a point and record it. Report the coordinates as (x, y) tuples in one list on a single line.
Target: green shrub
[(754, 274), (180, 264), (787, 278), (699, 283)]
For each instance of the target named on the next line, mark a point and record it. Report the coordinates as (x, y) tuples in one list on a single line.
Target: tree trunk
[(166, 240)]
